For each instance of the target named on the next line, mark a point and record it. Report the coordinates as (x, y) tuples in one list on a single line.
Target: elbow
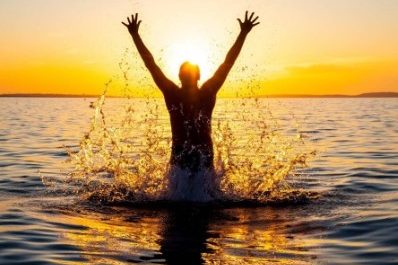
[(149, 61)]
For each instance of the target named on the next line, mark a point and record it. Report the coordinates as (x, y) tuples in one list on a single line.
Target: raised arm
[(160, 79), (218, 79)]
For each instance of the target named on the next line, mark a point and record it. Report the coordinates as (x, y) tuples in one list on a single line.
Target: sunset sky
[(300, 47)]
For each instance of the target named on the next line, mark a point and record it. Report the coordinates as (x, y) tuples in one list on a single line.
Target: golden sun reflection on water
[(188, 236), (108, 239)]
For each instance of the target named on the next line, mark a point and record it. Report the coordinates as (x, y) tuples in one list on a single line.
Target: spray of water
[(127, 159), (114, 163)]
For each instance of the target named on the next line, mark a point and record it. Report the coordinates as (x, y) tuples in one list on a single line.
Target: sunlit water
[(344, 207)]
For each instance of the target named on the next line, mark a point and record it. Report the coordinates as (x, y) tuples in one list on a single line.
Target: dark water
[(354, 220)]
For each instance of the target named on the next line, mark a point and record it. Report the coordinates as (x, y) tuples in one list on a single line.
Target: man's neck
[(190, 87)]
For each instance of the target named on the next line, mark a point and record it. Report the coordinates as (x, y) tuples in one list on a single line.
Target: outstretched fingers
[(133, 23), (251, 16), (255, 19), (254, 23), (251, 19)]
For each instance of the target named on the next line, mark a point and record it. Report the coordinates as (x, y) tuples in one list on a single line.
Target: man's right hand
[(133, 24)]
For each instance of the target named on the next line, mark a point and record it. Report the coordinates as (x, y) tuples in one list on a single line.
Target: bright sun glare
[(194, 52)]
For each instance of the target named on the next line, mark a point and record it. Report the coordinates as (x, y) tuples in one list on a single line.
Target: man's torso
[(190, 117)]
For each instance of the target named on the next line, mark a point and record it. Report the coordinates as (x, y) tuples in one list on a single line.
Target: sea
[(58, 207)]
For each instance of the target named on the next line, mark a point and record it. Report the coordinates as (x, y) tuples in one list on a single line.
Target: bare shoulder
[(207, 94)]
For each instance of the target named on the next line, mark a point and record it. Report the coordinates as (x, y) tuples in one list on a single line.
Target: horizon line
[(60, 95)]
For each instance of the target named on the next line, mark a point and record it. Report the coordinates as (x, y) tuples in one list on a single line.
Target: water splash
[(127, 159)]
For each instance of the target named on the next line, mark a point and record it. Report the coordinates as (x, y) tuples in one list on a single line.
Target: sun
[(193, 51)]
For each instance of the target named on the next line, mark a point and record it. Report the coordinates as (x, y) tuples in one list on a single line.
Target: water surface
[(354, 220)]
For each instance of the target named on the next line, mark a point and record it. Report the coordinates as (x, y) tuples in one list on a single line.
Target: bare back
[(191, 111), (190, 118)]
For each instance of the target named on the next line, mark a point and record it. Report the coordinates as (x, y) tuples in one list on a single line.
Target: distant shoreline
[(363, 95)]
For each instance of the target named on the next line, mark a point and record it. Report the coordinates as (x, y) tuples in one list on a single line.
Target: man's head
[(189, 74)]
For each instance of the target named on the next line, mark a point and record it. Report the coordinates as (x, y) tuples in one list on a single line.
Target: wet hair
[(188, 71)]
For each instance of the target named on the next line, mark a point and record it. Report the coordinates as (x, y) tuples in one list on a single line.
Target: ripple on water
[(30, 240), (353, 221)]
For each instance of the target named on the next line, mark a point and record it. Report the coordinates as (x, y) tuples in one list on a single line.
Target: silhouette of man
[(191, 107)]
